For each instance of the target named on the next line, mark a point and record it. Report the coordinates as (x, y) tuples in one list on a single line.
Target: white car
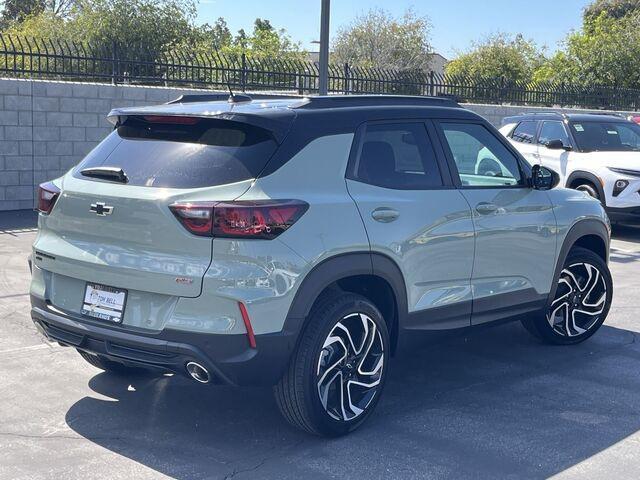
[(598, 154)]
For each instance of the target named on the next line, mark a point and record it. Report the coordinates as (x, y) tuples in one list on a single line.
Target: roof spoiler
[(211, 97)]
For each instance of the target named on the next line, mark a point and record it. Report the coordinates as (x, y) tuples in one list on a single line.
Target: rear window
[(197, 153)]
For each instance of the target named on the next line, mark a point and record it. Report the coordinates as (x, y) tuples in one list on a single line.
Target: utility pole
[(323, 84)]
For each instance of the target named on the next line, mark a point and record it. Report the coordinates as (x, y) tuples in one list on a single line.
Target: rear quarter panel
[(274, 269)]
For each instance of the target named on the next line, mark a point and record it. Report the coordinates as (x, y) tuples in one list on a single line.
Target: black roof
[(571, 117), (324, 113)]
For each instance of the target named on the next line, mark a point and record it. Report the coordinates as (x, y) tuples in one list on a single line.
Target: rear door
[(515, 225), (555, 159), (414, 215), (524, 138), (124, 235)]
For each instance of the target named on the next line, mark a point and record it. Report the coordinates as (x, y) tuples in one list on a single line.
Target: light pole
[(323, 70)]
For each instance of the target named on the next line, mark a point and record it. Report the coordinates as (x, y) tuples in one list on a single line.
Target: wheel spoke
[(350, 367), (570, 279)]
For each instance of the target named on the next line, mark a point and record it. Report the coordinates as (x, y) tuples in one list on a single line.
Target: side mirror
[(543, 178), (556, 145)]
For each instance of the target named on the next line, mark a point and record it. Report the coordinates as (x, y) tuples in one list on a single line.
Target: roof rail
[(345, 101), (608, 114)]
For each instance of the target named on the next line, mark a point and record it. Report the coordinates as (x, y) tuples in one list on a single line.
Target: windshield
[(196, 153), (606, 136)]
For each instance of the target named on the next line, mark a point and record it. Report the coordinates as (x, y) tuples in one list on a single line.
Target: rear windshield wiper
[(106, 173)]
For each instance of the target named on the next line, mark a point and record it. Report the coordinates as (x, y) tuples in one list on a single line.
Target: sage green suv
[(297, 243)]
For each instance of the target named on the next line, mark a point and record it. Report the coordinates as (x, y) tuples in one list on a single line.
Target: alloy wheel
[(581, 299), (350, 367)]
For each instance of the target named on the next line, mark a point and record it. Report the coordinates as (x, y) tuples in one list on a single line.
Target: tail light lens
[(262, 219), (48, 193), (195, 217)]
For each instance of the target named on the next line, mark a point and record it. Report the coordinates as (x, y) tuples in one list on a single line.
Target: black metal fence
[(27, 57)]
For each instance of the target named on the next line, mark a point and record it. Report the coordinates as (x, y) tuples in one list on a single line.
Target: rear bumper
[(228, 358), (626, 215)]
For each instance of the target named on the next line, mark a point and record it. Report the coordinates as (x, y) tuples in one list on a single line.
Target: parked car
[(297, 243), (598, 154)]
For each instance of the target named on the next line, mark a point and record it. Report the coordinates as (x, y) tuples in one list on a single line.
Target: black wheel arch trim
[(579, 230), (340, 267), (591, 178)]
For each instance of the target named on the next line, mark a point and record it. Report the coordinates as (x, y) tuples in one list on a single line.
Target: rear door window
[(525, 132), (398, 156), (156, 152)]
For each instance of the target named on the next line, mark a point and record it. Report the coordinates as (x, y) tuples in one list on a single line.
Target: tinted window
[(606, 136), (481, 159), (398, 156), (553, 131), (206, 153), (525, 132)]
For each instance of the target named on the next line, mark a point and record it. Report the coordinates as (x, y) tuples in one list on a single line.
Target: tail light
[(195, 217), (261, 219), (48, 193)]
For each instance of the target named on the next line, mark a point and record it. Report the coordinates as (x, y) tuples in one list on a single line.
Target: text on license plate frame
[(104, 302)]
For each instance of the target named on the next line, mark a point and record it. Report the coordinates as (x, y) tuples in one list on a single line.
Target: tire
[(590, 189), (581, 304), (103, 363), (318, 368)]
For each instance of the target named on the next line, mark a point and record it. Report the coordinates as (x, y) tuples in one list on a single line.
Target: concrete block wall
[(47, 127)]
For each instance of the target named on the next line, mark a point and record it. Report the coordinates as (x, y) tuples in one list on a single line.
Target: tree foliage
[(615, 9), (605, 51), (377, 39), (146, 27), (606, 54), (499, 55)]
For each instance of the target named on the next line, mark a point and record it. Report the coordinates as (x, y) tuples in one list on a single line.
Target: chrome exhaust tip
[(198, 372)]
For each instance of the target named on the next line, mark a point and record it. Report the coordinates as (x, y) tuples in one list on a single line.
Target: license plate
[(103, 302)]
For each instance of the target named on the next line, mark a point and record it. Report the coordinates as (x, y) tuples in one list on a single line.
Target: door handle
[(385, 215), (485, 208)]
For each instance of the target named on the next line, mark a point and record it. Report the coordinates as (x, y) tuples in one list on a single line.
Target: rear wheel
[(103, 363), (337, 374), (581, 303)]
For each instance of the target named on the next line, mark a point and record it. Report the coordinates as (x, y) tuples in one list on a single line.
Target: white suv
[(598, 154)]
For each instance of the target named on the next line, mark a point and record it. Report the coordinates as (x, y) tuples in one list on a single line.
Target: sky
[(456, 23)]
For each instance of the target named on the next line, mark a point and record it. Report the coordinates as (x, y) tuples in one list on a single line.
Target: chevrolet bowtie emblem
[(101, 209)]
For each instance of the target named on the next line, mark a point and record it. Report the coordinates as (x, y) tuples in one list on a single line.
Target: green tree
[(128, 24), (499, 55), (606, 53), (377, 39), (611, 8)]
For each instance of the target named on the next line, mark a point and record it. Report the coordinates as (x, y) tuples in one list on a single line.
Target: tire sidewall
[(336, 311), (590, 189)]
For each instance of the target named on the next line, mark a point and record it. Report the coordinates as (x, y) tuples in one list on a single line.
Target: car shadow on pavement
[(18, 221), (490, 403)]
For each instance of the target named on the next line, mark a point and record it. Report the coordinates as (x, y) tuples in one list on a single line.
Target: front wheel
[(581, 302), (589, 189), (336, 376)]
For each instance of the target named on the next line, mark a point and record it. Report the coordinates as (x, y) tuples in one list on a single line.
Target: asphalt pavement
[(488, 404)]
